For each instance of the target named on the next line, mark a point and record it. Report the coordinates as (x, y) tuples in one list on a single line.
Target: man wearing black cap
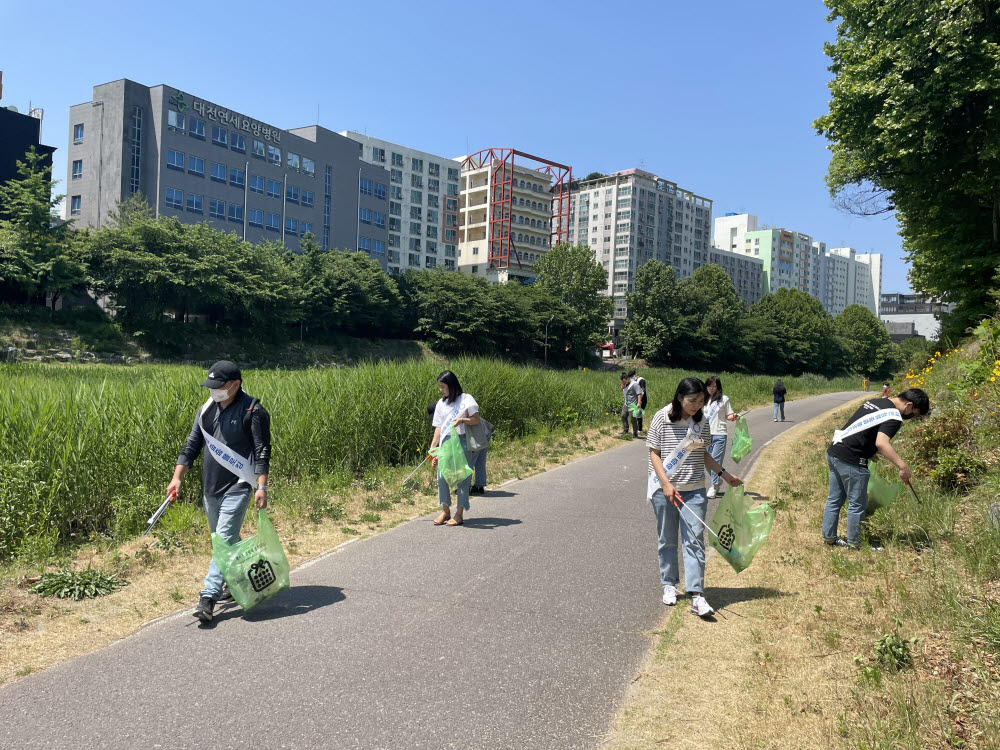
[(239, 428)]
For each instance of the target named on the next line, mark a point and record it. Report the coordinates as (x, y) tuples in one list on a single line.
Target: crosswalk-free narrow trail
[(521, 629)]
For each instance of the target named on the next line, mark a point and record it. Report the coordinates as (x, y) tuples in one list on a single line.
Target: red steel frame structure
[(500, 187)]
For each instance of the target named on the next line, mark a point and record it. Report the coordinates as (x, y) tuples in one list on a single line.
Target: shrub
[(77, 584)]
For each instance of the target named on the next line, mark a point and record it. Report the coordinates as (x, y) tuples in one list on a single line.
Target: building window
[(417, 165), (258, 149), (433, 185), (378, 154), (176, 121), (75, 205), (365, 215), (274, 155), (292, 194), (237, 142), (414, 244), (450, 235), (255, 218), (175, 198), (220, 136), (78, 169), (416, 196), (196, 128), (395, 225), (235, 212), (453, 174), (379, 220), (78, 134), (396, 175), (291, 226), (433, 169), (417, 213), (397, 160), (380, 191), (416, 181), (175, 160), (237, 177), (217, 172), (396, 209), (366, 187), (378, 247), (414, 227), (396, 192), (274, 222), (217, 209), (365, 244), (306, 227), (256, 184), (195, 203), (308, 166), (308, 199), (196, 165), (273, 189), (135, 175), (292, 161)]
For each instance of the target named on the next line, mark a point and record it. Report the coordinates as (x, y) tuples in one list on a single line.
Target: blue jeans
[(692, 536), (480, 467), (780, 406), (462, 491), (717, 450), (225, 516), (847, 482)]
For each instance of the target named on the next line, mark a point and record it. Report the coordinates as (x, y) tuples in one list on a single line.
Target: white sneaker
[(669, 595), (700, 607), (712, 492)]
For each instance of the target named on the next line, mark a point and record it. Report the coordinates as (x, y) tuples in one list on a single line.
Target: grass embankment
[(819, 648)]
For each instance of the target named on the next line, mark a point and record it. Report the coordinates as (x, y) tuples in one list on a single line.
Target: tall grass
[(89, 449)]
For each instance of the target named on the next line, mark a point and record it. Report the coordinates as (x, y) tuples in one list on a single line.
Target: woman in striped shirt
[(676, 488)]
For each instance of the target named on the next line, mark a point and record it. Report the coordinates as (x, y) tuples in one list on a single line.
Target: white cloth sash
[(239, 465), (872, 420), (676, 459)]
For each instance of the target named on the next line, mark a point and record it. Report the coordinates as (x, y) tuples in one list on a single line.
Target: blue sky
[(716, 96)]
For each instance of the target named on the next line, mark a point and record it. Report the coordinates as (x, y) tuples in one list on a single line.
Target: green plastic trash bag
[(254, 568), (881, 493), (636, 411), (741, 530), (452, 463), (742, 443)]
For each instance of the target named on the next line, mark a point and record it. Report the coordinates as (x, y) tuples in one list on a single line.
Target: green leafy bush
[(77, 584)]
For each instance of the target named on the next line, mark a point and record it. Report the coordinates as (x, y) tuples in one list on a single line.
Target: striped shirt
[(664, 436)]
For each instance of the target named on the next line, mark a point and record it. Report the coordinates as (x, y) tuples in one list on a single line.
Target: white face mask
[(218, 394)]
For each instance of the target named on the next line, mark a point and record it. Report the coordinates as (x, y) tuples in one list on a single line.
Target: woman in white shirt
[(460, 409), (676, 489), (718, 410)]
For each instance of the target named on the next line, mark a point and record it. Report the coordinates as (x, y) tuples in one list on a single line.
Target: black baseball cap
[(221, 373)]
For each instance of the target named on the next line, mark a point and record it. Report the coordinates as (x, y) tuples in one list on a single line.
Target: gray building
[(907, 315), (198, 161)]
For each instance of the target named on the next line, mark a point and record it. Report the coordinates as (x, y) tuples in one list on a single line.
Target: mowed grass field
[(87, 449)]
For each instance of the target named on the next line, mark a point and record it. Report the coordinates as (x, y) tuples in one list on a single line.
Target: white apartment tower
[(423, 204), (631, 217)]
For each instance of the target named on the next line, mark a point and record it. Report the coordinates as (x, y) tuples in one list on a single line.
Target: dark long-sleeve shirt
[(227, 425)]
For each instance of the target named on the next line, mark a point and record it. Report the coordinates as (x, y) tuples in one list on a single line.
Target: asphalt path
[(521, 629)]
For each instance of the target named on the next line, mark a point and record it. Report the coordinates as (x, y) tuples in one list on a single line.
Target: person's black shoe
[(477, 490), (227, 595), (204, 610)]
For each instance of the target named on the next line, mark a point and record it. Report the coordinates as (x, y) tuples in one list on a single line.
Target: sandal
[(442, 519), (453, 522)]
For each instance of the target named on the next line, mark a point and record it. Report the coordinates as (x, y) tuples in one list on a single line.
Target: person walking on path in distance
[(676, 489), (718, 411), (885, 389), (867, 432), (643, 399), (779, 399), (459, 409), (240, 424), (630, 397)]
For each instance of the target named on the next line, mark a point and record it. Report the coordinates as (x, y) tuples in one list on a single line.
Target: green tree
[(914, 126), (452, 311), (865, 343), (657, 320), (38, 253), (714, 308), (573, 277), (789, 332)]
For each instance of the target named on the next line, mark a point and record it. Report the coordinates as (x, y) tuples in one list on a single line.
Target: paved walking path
[(521, 629)]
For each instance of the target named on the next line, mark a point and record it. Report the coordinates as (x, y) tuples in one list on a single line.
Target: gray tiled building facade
[(197, 161)]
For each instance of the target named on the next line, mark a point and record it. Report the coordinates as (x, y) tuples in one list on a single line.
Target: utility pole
[(547, 338)]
